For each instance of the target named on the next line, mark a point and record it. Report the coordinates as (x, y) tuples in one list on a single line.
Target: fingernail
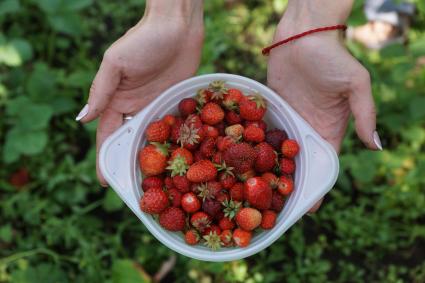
[(82, 113), (377, 140)]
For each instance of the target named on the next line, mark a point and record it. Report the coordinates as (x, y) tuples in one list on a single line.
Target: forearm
[(188, 11)]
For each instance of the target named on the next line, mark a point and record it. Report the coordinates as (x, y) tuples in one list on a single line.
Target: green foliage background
[(62, 227)]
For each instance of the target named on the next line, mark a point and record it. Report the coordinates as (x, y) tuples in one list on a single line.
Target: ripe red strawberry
[(169, 120), (232, 98), (223, 143), (191, 237), (241, 237), (175, 130), (240, 156), (154, 201), (203, 96), (172, 219), (220, 128), (271, 179), (226, 179), (212, 113), (181, 151), (246, 175), (202, 171), (266, 157), (226, 238), (287, 166), (290, 148), (252, 108), (168, 182), (275, 138), (212, 229), (278, 201), (268, 220), (258, 193), (217, 158), (210, 131), (197, 156), (150, 182), (236, 192), (187, 106), (285, 185), (175, 197), (208, 147), (190, 202), (194, 120), (259, 124), (218, 90), (223, 196), (153, 159), (235, 131), (248, 218), (212, 207), (181, 183), (209, 190), (232, 118), (226, 223), (253, 134), (158, 131), (200, 221)]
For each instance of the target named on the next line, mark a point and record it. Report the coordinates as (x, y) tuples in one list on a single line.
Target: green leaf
[(23, 47), (124, 271), (9, 7), (30, 116), (417, 108), (46, 273), (9, 55), (67, 23), (111, 201), (75, 5), (49, 6), (24, 142), (41, 82), (6, 233), (417, 47)]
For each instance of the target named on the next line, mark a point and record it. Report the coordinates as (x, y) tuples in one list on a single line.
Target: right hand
[(162, 49)]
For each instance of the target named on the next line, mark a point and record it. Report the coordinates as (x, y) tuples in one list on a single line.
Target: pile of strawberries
[(215, 172)]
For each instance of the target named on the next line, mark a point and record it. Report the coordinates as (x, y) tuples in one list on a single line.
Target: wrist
[(185, 11)]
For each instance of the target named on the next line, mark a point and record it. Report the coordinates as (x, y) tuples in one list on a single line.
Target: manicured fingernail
[(82, 113), (377, 140)]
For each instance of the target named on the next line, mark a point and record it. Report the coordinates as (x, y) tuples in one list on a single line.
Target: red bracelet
[(266, 50)]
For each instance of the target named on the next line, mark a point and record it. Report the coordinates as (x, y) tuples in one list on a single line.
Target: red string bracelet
[(266, 50)]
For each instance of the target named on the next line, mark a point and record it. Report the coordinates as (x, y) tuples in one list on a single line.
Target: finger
[(316, 206), (102, 89), (110, 120), (363, 109)]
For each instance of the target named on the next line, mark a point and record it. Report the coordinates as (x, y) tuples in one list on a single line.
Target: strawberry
[(200, 220), (268, 220), (259, 124), (175, 130), (191, 237), (222, 196), (212, 207), (232, 118), (212, 113), (203, 96), (212, 240), (258, 193), (209, 190), (208, 147), (175, 197), (190, 132), (153, 159), (168, 182), (181, 151), (217, 158), (248, 218), (266, 157), (246, 175), (181, 183), (275, 138), (231, 208), (220, 128), (197, 156), (235, 131), (278, 201), (290, 148), (236, 192), (190, 202), (232, 98), (253, 134), (172, 219), (226, 179), (158, 131), (210, 131), (187, 106), (178, 166), (252, 108), (212, 229), (287, 166), (241, 237), (240, 156), (169, 120), (150, 182), (226, 238), (223, 143), (285, 185), (218, 90), (271, 179), (154, 201), (226, 223), (202, 171)]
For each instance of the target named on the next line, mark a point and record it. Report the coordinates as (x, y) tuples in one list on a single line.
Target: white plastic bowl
[(316, 173)]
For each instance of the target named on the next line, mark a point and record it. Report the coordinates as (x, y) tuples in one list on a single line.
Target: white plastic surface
[(317, 164)]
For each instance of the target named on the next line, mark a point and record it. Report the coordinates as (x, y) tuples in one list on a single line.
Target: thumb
[(363, 109), (101, 91)]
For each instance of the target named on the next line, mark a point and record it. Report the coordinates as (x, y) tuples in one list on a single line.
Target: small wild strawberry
[(285, 185), (226, 237), (154, 201), (275, 138), (236, 192), (172, 219), (169, 120), (287, 166), (266, 157), (240, 156), (235, 131), (223, 143), (253, 134), (226, 223), (248, 218), (190, 202), (258, 193), (210, 131), (191, 237), (268, 220), (278, 201), (157, 131), (187, 106), (202, 171), (207, 147), (181, 183), (232, 118), (200, 221), (212, 113), (241, 237), (153, 159), (150, 182), (175, 197), (253, 108), (181, 151), (290, 148)]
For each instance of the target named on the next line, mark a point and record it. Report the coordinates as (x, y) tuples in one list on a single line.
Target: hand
[(319, 78), (161, 50)]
